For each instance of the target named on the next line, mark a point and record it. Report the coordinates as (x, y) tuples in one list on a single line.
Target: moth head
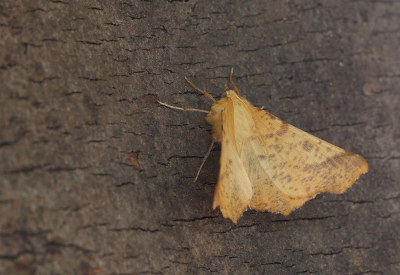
[(228, 93)]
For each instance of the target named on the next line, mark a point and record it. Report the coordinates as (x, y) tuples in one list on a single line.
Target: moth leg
[(233, 84), (182, 109), (204, 159)]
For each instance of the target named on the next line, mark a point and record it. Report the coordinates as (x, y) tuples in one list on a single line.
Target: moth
[(267, 164)]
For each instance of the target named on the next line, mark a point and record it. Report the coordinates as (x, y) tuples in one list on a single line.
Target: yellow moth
[(269, 165)]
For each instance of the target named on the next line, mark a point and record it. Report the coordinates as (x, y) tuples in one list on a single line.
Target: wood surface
[(96, 178)]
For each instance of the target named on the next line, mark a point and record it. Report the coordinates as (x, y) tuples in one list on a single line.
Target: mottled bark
[(96, 178)]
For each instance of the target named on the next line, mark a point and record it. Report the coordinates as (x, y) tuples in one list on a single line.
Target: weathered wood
[(95, 178)]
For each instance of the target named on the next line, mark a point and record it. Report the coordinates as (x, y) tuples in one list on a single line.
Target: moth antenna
[(182, 109), (204, 159), (233, 84), (204, 92)]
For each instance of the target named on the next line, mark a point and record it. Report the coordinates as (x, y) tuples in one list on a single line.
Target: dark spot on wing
[(281, 132), (307, 146), (284, 129), (288, 178), (271, 156), (269, 136), (278, 148)]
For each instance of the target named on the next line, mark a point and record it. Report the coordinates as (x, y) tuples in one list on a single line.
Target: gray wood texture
[(96, 178)]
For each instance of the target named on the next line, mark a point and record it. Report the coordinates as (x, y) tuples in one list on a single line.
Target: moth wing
[(275, 166), (267, 193), (300, 165), (233, 191)]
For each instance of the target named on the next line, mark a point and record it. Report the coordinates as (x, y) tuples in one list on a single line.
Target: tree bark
[(97, 178)]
